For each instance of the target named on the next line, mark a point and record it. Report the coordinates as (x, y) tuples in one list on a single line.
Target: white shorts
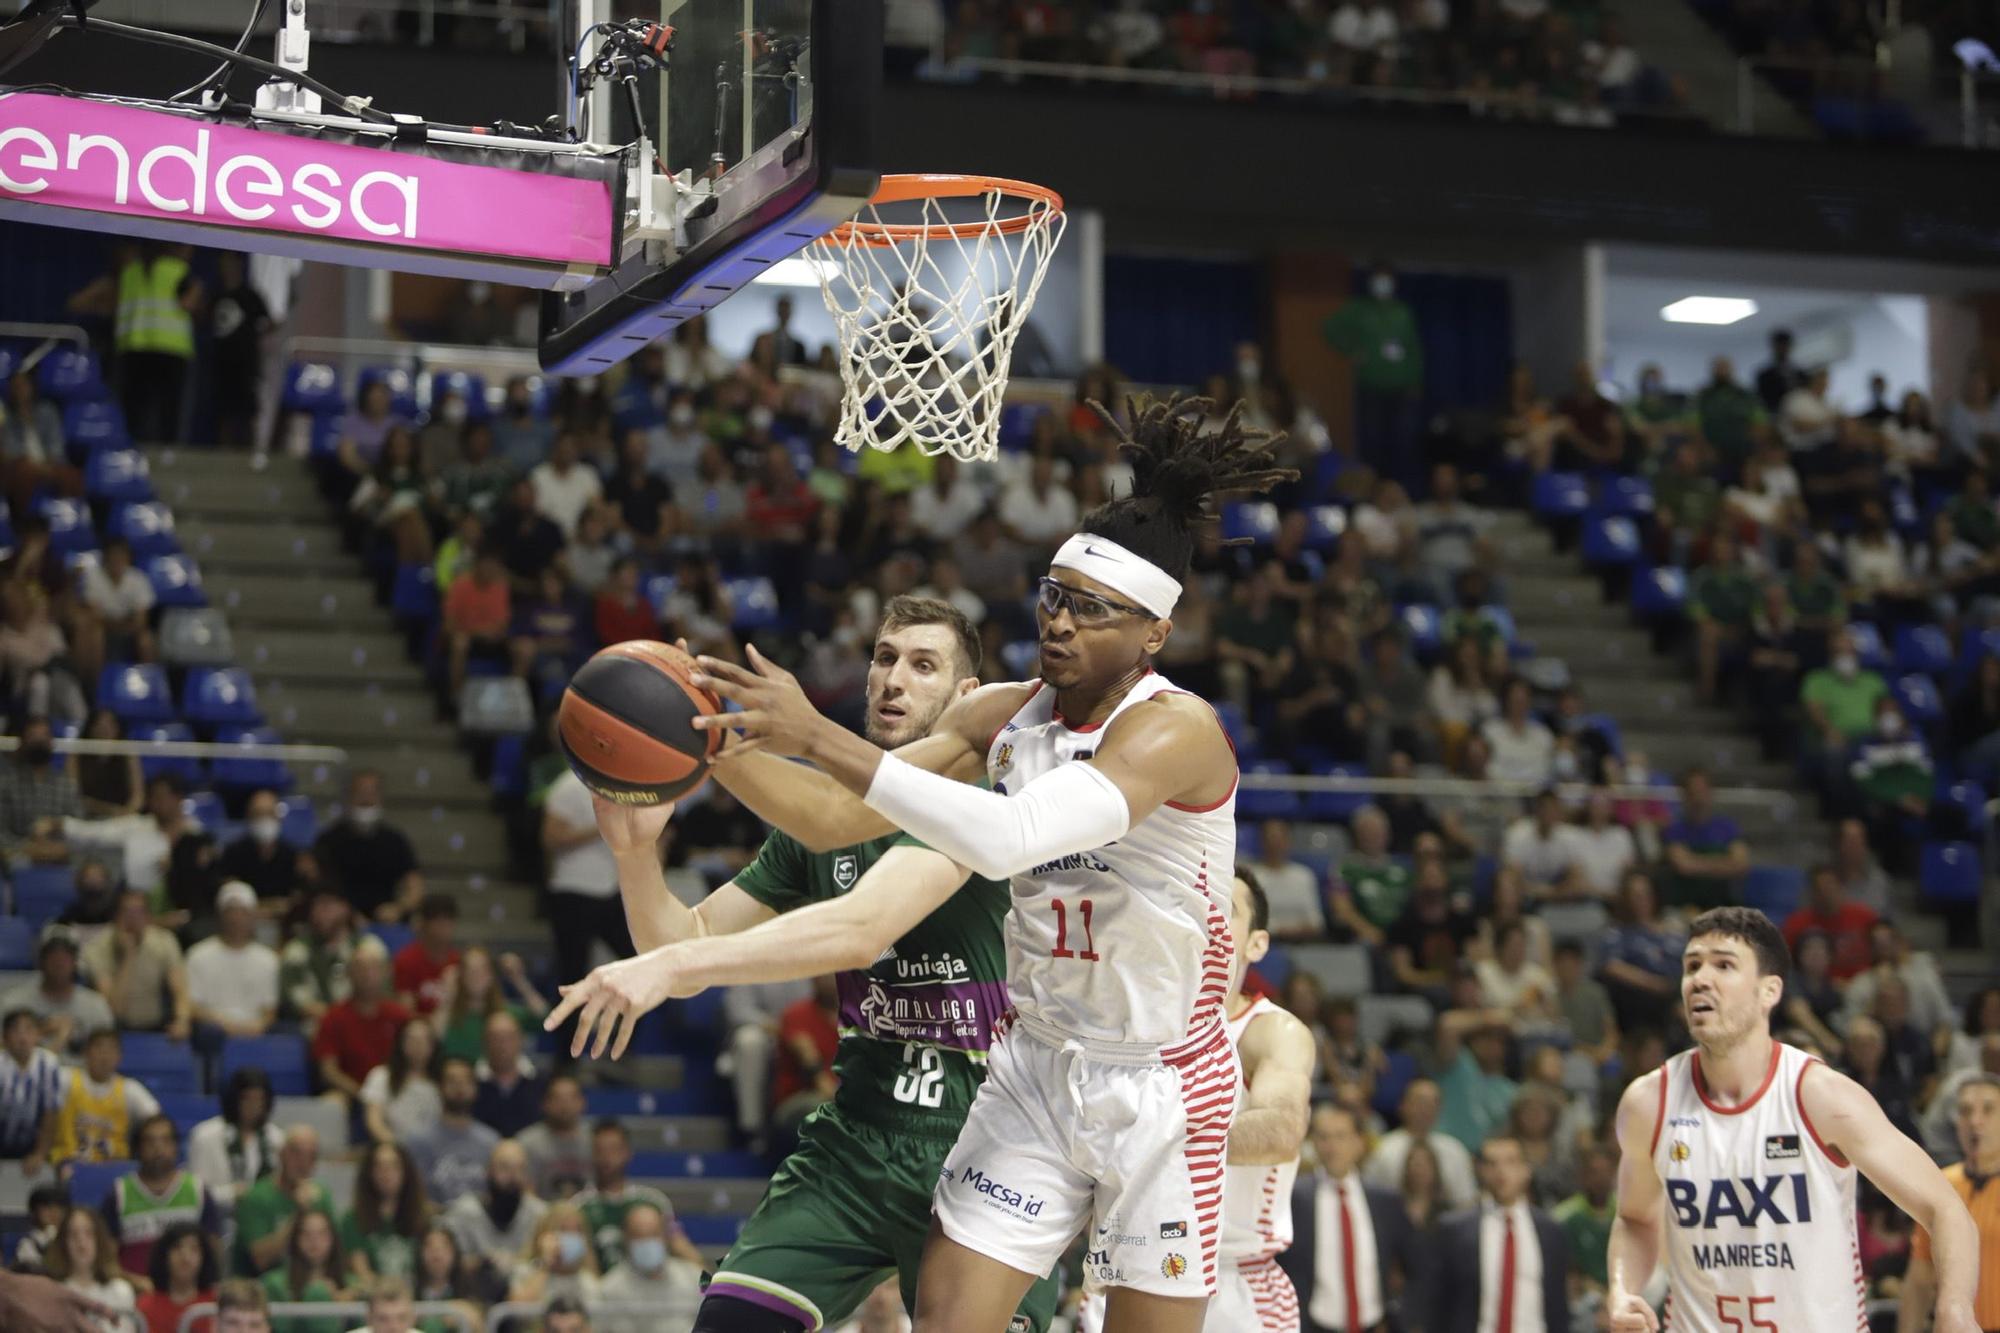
[(1066, 1134), (1253, 1296)]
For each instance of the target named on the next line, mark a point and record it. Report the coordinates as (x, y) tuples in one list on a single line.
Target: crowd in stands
[(1495, 956), (1566, 59)]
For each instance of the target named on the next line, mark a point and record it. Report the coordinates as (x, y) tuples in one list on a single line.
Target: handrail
[(11, 328), (651, 1312), (344, 1310), (1498, 789), (300, 754)]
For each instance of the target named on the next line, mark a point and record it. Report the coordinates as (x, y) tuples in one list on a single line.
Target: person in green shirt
[(1721, 603), (1840, 697), (1818, 604), (391, 1209), (921, 972), (1472, 1053), (1972, 513), (314, 1271), (1378, 334), (1586, 1216), (1658, 416), (1371, 888), (265, 1211), (1686, 498), (1731, 417), (1892, 767), (611, 1197), (473, 993)]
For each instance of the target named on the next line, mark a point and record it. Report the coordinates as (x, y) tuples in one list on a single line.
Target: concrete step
[(250, 546), (682, 1133), (1731, 756), (334, 715), (718, 1197), (297, 600), (414, 774), (262, 496), (1594, 650), (348, 655)]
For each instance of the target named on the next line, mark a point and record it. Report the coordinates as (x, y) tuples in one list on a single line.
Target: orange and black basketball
[(627, 724)]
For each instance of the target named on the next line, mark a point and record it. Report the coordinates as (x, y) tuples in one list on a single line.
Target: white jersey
[(1256, 1200), (1128, 942), (1760, 1216)]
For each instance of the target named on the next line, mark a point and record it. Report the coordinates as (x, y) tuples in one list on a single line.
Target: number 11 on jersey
[(1062, 950)]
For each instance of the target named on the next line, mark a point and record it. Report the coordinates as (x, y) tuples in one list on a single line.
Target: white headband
[(1121, 571)]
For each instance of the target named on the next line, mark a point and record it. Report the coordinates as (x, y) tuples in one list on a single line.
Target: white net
[(927, 306)]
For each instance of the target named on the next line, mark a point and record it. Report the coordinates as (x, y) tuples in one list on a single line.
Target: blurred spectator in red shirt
[(357, 1034), (1845, 924), (808, 1033), (622, 610), (779, 504), (422, 963), (478, 608)]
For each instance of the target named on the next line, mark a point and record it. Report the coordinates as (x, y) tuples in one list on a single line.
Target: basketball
[(627, 724)]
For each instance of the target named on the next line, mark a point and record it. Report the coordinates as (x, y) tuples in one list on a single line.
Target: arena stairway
[(1671, 36), (331, 670)]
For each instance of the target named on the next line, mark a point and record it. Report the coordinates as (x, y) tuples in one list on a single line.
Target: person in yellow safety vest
[(151, 296)]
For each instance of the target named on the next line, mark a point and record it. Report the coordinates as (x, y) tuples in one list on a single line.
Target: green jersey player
[(922, 974)]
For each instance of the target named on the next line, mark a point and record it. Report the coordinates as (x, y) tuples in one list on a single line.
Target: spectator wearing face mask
[(1893, 775), (262, 858), (369, 859), (498, 1223), (649, 1278), (1839, 701), (558, 1262)]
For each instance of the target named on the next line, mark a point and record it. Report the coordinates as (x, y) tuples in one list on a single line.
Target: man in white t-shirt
[(1291, 889), (945, 506), (1606, 849), (1039, 511), (584, 906), (1543, 850), (232, 978), (564, 487)]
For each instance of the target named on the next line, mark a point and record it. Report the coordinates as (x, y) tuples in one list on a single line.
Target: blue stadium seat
[(1924, 648), (1421, 624), (147, 528), (1337, 806), (249, 774), (1274, 966), (402, 389), (393, 934), (90, 1182), (1631, 497), (92, 425), (10, 361), (755, 603), (117, 476), (298, 822), (1257, 803), (1606, 726), (136, 693), (221, 697), (185, 767), (1251, 520), (1918, 697), (1868, 645), (187, 1109), (1017, 424), (70, 528), (1968, 798), (1950, 872), (205, 808), (1660, 593), (68, 374), (713, 1231), (470, 387), (1503, 620), (1325, 524), (145, 1052), (1237, 728), (314, 387), (413, 596), (176, 581), (1774, 890), (510, 769), (1560, 495), (1021, 659), (727, 1164), (660, 589), (17, 944), (1610, 543), (1974, 648), (42, 893), (283, 1056)]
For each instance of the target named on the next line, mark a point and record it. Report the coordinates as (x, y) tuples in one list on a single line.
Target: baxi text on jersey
[(1747, 1201), (1074, 861), (1027, 1205), (1754, 1254)]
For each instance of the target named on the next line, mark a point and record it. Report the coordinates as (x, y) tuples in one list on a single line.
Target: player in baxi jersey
[(1739, 1160), (1276, 1052), (921, 975)]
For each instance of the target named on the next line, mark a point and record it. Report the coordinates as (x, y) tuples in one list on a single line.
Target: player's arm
[(1919, 1295), (1278, 1055), (1634, 1251), (1168, 748), (902, 888), (655, 916), (1848, 1121)]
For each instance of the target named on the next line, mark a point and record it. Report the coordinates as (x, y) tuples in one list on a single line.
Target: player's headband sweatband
[(1118, 569)]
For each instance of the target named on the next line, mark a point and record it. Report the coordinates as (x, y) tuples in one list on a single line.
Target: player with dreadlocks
[(1112, 1082)]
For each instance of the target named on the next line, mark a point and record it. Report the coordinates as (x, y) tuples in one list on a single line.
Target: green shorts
[(849, 1208)]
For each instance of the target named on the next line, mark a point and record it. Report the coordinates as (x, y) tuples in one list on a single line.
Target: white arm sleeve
[(1072, 809)]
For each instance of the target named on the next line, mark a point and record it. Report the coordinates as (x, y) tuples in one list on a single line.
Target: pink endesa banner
[(75, 153)]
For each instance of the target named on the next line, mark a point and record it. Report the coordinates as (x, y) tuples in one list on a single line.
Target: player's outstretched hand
[(609, 1002), (33, 1304), (1953, 1318), (775, 716), (631, 828), (1631, 1314)]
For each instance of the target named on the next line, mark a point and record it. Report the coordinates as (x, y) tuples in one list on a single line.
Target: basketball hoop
[(928, 300)]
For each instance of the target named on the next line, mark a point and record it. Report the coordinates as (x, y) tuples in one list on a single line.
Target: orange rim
[(1043, 205)]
